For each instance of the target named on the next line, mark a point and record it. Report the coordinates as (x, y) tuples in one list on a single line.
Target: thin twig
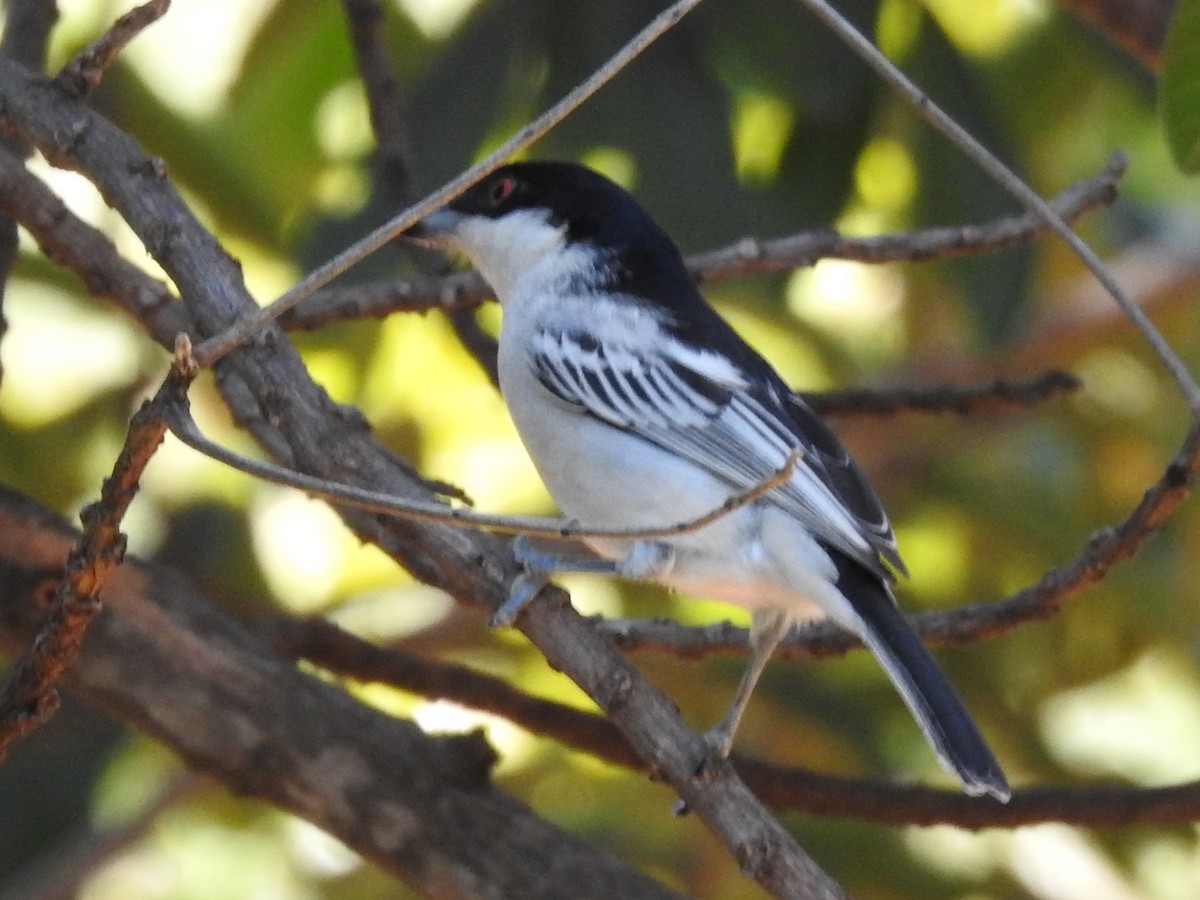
[(84, 71), (393, 187), (752, 256), (30, 697), (393, 180), (183, 426), (995, 396), (219, 345), (1006, 178)]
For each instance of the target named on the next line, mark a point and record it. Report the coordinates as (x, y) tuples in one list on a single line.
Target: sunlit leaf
[(1179, 86)]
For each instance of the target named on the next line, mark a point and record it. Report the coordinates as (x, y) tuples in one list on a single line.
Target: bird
[(640, 406)]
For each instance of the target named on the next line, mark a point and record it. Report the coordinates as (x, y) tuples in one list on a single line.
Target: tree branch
[(81, 75), (77, 246), (219, 345), (30, 698), (27, 25), (324, 644), (745, 257), (393, 169), (996, 396), (393, 183), (166, 662), (970, 147)]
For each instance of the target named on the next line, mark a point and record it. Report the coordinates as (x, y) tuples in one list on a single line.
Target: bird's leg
[(767, 629), (645, 561)]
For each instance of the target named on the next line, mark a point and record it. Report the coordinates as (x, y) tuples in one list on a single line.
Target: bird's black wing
[(736, 425)]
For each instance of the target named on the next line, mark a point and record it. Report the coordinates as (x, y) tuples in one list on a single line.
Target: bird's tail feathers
[(946, 723)]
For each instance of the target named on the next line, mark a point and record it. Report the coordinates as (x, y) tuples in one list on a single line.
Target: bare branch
[(996, 396), (1106, 547), (184, 427), (324, 644), (1007, 179), (30, 698), (81, 75), (170, 664), (27, 25), (393, 181), (752, 256), (745, 257)]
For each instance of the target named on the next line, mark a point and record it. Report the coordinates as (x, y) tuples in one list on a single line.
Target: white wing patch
[(698, 405)]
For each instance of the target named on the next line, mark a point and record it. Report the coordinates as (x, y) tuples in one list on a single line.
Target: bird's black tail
[(945, 721)]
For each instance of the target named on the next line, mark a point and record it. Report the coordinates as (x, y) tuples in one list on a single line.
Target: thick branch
[(166, 662), (326, 645)]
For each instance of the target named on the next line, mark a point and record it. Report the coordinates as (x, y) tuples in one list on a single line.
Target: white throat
[(521, 250)]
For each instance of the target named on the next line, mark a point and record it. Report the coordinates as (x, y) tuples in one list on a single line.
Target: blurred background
[(748, 119)]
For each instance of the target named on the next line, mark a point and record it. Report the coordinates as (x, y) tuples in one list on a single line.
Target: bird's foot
[(524, 588)]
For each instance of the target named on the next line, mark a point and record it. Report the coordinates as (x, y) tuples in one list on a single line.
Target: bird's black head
[(531, 215), (589, 206)]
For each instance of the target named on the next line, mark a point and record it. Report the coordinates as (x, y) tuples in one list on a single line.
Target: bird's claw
[(524, 587), (522, 551)]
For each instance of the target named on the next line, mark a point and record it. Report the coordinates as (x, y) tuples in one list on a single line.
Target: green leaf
[(1179, 86)]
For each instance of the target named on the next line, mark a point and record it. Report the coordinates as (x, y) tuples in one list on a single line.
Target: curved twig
[(1007, 179), (183, 426)]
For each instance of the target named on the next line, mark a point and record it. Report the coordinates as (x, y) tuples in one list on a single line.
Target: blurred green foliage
[(747, 120), (1180, 103)]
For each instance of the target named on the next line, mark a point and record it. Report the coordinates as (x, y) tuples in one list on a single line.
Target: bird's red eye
[(501, 189)]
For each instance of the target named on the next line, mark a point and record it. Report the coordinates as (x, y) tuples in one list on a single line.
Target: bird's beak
[(436, 229)]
